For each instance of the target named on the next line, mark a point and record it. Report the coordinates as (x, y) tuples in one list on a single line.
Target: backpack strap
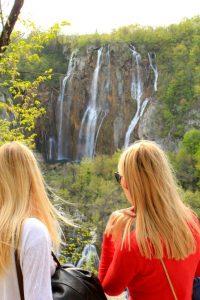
[(19, 275), (56, 260), (168, 279)]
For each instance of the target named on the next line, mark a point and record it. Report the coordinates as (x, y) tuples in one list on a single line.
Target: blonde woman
[(28, 224), (153, 248)]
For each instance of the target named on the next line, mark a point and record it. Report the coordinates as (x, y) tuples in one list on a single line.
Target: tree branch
[(1, 15), (9, 25)]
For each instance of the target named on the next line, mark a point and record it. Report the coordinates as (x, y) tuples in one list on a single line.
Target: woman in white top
[(28, 223)]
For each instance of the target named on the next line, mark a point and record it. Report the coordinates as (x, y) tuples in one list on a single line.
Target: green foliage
[(76, 240), (193, 200), (22, 107), (187, 160), (178, 61), (191, 142), (92, 189)]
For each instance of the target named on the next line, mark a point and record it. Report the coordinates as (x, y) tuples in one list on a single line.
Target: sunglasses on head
[(118, 177)]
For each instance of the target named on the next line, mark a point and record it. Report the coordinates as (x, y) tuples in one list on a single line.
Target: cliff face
[(101, 101)]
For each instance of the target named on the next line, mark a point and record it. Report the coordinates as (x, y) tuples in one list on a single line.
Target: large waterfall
[(101, 102), (89, 121)]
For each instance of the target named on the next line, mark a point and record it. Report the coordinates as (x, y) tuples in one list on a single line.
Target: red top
[(145, 278)]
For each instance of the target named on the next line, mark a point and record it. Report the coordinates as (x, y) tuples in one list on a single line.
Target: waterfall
[(61, 96), (108, 83), (153, 65), (119, 116), (103, 96), (144, 104), (89, 258), (102, 114), (51, 149), (106, 90), (136, 93), (89, 121)]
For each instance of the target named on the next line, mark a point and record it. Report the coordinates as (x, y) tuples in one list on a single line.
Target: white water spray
[(89, 121), (153, 65), (136, 93), (68, 76)]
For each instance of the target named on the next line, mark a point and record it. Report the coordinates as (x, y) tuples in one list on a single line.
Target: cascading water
[(108, 83), (144, 104), (88, 125), (65, 80), (103, 110), (102, 116), (153, 65), (89, 258), (137, 90), (136, 93), (52, 144), (119, 115), (83, 121)]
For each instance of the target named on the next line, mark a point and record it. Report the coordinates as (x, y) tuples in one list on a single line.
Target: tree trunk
[(9, 25)]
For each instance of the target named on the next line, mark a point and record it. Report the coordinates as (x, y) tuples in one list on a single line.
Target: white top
[(36, 263)]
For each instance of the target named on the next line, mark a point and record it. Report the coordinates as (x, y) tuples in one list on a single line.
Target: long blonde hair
[(22, 195), (163, 223)]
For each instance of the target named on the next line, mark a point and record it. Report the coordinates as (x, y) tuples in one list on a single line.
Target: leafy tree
[(193, 200), (22, 108), (191, 142), (187, 160)]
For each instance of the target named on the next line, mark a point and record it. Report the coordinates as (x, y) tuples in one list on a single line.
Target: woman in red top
[(158, 231)]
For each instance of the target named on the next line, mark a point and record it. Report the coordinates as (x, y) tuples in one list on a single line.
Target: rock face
[(100, 103)]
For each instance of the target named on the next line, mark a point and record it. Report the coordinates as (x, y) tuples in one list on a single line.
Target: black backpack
[(71, 283)]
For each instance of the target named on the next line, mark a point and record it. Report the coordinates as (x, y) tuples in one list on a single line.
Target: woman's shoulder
[(34, 225), (34, 232)]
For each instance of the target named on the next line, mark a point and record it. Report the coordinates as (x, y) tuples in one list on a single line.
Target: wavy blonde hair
[(22, 195), (163, 223)]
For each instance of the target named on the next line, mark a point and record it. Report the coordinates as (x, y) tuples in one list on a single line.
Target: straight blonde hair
[(22, 195), (163, 224)]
